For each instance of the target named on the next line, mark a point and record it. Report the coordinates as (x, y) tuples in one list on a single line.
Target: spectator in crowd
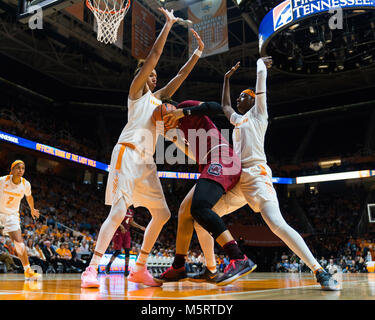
[(65, 256), (76, 261), (35, 256), (50, 254), (6, 258), (323, 262), (284, 257), (294, 266), (9, 246)]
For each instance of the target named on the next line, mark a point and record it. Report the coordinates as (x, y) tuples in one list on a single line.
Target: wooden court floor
[(256, 286)]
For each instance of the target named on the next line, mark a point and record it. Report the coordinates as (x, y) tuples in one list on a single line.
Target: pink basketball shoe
[(89, 278), (144, 277)]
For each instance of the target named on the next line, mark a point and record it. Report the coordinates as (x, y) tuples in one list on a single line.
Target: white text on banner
[(209, 19)]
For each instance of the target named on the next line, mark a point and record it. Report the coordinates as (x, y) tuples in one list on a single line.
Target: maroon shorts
[(223, 166), (121, 240)]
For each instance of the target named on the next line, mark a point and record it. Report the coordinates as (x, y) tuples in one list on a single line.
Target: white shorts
[(133, 178), (10, 222), (254, 188)]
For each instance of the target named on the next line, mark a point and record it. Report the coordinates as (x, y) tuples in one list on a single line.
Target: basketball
[(161, 110)]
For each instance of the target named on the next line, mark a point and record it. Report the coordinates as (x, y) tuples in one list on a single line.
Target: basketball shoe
[(89, 278), (236, 269), (172, 274), (205, 276), (30, 274), (326, 281), (107, 269), (143, 276)]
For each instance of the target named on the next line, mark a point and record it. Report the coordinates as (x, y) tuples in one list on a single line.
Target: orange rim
[(89, 5)]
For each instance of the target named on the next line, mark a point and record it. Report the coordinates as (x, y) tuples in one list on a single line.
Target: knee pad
[(208, 219), (20, 247)]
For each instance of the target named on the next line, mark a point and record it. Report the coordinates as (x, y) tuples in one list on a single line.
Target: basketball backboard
[(27, 8)]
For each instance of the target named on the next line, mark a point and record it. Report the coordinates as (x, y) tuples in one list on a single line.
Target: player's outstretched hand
[(199, 40), (35, 213), (267, 61), (169, 16), (232, 70), (171, 118)]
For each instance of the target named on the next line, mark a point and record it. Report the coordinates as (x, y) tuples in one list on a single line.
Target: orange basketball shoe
[(30, 274)]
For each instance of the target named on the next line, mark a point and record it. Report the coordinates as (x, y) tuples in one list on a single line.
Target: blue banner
[(52, 151), (100, 165), (289, 12)]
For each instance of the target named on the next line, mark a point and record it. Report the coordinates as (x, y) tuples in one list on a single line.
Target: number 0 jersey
[(11, 194)]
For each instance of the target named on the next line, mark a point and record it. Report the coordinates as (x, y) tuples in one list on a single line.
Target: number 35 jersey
[(11, 194)]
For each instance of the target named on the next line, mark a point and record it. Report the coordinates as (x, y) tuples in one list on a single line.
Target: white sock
[(26, 267), (141, 261), (95, 261), (212, 268)]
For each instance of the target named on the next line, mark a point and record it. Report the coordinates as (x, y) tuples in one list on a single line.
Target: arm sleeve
[(261, 90), (210, 108)]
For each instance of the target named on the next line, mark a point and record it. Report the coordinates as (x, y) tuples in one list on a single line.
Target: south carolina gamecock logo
[(215, 169)]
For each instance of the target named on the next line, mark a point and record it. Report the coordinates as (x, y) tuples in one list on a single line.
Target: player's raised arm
[(225, 98), (152, 59), (209, 108), (261, 87), (172, 86)]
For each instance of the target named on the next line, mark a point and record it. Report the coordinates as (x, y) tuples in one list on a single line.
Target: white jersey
[(248, 136), (140, 130), (11, 194), (250, 129)]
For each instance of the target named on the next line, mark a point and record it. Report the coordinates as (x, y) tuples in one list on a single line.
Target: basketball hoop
[(108, 15)]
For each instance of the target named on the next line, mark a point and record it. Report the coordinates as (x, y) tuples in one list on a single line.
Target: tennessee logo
[(215, 169), (282, 14)]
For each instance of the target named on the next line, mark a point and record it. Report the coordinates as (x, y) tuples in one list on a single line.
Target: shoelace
[(232, 263), (164, 273)]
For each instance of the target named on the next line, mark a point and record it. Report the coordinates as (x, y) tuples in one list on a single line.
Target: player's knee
[(198, 208), (183, 211), (209, 221), (276, 222), (161, 215)]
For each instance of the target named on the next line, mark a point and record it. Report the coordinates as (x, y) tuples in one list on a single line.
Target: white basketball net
[(108, 15)]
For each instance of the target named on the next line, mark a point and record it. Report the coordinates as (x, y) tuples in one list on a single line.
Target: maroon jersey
[(126, 222), (216, 158), (200, 141)]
